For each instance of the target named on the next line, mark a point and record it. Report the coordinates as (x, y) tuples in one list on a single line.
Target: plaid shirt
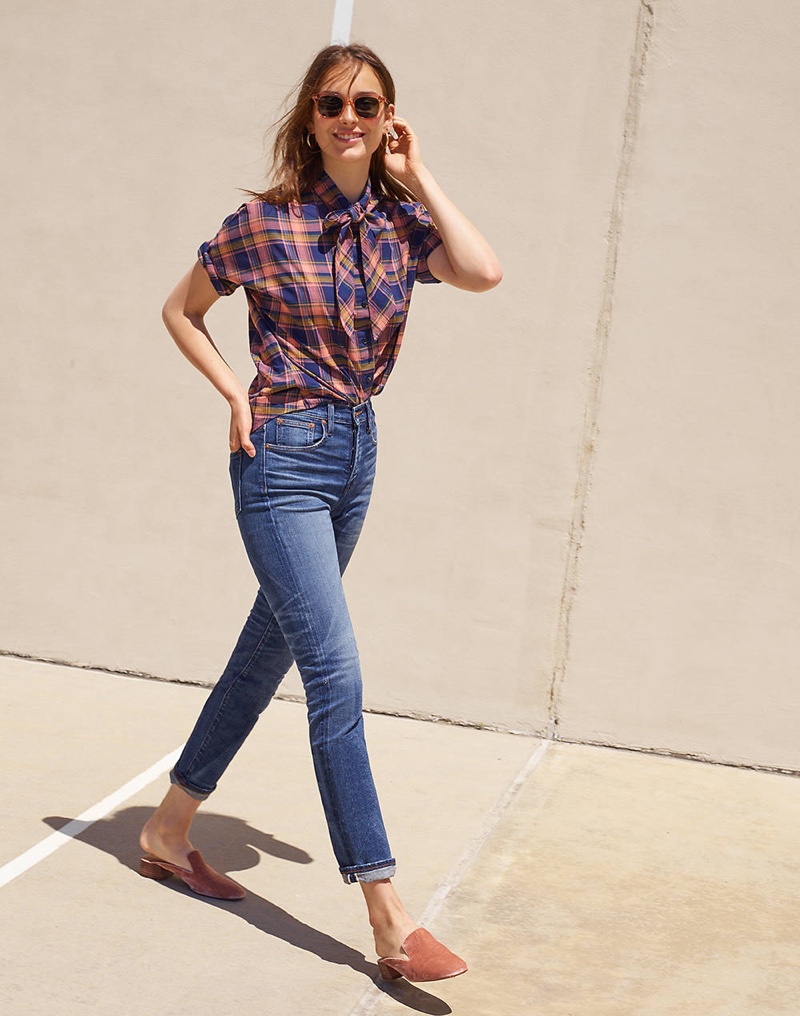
[(313, 272)]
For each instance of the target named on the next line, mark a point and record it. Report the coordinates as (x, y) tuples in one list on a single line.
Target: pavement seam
[(368, 1002)]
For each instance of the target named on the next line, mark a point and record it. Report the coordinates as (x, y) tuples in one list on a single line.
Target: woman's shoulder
[(257, 213), (259, 207)]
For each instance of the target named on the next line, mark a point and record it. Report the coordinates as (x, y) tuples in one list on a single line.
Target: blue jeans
[(300, 504)]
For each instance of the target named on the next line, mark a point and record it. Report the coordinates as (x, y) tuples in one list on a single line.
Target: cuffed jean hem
[(372, 873), (198, 795)]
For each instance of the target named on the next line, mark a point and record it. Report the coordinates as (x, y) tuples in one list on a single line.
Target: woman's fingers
[(404, 157), (248, 447), (239, 434)]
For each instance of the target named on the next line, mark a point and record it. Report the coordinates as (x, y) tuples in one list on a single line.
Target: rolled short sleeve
[(230, 257), (425, 239)]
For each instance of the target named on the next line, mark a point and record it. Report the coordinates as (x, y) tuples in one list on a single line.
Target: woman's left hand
[(464, 259), (404, 158)]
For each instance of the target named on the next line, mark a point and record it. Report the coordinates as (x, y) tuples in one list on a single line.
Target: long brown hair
[(296, 158)]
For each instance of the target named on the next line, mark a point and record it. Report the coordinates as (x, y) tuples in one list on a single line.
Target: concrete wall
[(585, 517), (684, 631)]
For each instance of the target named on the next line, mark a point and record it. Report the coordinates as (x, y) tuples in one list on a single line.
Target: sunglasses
[(366, 106)]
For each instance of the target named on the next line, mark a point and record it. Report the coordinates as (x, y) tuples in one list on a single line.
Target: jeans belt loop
[(331, 416), (361, 412)]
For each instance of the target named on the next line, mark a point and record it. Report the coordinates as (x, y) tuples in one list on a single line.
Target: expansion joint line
[(645, 23)]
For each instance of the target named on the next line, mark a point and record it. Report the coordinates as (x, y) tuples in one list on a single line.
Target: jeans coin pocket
[(301, 429)]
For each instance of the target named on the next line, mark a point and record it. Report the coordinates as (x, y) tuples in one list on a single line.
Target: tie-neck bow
[(340, 221), (343, 234)]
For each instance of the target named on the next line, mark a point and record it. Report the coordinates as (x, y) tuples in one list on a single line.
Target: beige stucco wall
[(586, 482), (684, 633)]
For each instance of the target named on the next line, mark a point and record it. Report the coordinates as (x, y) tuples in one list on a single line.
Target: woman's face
[(348, 139)]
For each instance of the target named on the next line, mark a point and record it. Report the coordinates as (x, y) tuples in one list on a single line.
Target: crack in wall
[(645, 23)]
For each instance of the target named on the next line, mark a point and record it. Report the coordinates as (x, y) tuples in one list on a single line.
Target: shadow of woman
[(235, 845)]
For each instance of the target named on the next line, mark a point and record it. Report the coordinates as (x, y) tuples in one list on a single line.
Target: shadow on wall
[(235, 846)]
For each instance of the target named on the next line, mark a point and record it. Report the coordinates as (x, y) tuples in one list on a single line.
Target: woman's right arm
[(184, 315)]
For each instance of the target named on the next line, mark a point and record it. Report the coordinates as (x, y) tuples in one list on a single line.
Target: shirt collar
[(331, 198)]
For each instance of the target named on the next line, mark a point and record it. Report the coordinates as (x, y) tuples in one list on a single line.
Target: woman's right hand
[(241, 425)]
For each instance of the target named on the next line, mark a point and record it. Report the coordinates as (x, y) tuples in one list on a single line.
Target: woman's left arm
[(464, 259)]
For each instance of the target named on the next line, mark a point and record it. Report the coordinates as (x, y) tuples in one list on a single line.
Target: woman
[(328, 258)]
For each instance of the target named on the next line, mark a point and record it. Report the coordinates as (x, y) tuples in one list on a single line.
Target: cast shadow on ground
[(234, 846)]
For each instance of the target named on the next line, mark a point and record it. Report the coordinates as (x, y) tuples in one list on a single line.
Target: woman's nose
[(348, 113)]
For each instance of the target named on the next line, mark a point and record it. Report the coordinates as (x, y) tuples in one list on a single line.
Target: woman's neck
[(351, 180)]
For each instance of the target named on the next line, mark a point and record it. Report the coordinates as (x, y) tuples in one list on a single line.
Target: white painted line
[(74, 828), (373, 995), (342, 22)]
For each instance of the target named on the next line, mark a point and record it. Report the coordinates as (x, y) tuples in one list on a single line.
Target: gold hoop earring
[(309, 141), (387, 138)]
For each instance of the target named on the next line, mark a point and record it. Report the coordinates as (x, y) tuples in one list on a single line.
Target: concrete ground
[(577, 881)]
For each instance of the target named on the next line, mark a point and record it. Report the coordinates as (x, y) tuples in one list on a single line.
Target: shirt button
[(363, 303)]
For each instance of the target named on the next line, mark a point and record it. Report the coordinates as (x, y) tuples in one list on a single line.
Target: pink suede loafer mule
[(202, 879), (426, 960)]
